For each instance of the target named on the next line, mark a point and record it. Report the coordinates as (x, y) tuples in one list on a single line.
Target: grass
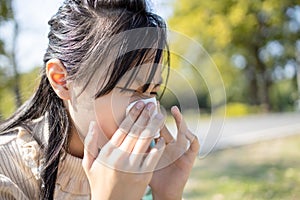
[(267, 170)]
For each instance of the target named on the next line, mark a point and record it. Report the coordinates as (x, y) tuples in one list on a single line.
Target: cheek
[(110, 112)]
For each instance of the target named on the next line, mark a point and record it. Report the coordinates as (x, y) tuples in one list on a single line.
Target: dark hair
[(81, 35)]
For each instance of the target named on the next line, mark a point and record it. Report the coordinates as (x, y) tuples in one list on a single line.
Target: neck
[(76, 147)]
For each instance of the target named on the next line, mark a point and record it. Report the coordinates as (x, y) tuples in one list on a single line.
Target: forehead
[(144, 70)]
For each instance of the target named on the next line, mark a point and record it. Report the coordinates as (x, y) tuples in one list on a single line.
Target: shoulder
[(17, 138), (18, 148), (19, 163), (8, 136), (17, 143), (34, 130)]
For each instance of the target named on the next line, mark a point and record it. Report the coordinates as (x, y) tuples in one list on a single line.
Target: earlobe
[(57, 74)]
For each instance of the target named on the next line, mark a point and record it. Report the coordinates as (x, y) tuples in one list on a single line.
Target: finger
[(190, 136), (147, 135), (180, 123), (194, 143), (132, 116), (154, 155), (165, 133), (90, 147), (157, 135), (143, 119), (183, 129), (131, 138), (121, 133), (158, 107), (181, 126)]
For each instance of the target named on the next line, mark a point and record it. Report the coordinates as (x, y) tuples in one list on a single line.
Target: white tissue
[(153, 100)]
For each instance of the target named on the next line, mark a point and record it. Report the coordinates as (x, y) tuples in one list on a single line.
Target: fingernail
[(139, 105), (150, 106), (175, 108)]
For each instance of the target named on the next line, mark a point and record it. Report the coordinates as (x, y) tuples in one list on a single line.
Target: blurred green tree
[(8, 64), (252, 42)]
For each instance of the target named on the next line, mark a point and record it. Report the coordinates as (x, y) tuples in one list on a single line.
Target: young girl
[(102, 56)]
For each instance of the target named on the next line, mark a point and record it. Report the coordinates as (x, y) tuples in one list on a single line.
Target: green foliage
[(5, 10), (240, 109), (6, 14), (7, 102), (284, 95), (258, 32), (28, 84)]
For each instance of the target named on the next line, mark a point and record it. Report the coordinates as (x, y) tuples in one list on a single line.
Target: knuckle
[(196, 140), (136, 128), (125, 127)]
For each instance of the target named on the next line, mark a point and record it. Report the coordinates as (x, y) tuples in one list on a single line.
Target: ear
[(57, 74)]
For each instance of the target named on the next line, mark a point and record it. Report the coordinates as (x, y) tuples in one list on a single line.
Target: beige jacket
[(20, 162)]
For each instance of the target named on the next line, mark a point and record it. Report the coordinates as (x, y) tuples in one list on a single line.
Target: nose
[(152, 100), (148, 100)]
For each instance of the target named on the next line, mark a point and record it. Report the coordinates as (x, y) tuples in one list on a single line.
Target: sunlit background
[(252, 47)]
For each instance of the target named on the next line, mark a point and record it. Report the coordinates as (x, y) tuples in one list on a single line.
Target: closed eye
[(136, 91), (154, 93)]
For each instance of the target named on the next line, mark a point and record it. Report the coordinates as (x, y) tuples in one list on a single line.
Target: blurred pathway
[(246, 130)]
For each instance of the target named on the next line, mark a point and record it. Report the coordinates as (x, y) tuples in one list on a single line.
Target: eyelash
[(151, 93), (154, 93)]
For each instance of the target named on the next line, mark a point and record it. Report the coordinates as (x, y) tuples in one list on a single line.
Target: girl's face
[(110, 110)]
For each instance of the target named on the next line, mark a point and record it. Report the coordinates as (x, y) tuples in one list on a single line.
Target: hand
[(124, 166), (176, 162)]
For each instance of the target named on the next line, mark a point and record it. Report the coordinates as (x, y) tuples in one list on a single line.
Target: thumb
[(90, 147)]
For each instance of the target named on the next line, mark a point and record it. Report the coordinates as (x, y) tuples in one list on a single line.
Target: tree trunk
[(264, 82), (253, 85), (15, 66)]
